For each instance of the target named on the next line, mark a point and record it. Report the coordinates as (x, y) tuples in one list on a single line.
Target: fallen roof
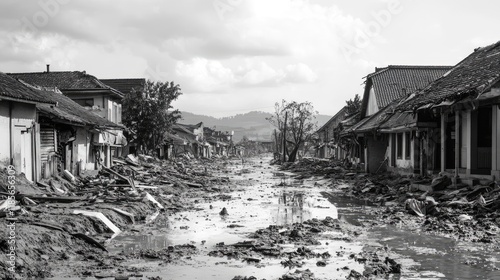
[(65, 80), (12, 89), (471, 77)]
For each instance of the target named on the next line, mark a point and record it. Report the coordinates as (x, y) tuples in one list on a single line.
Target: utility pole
[(284, 137)]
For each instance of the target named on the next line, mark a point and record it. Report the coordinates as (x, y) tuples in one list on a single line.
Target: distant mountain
[(252, 124)]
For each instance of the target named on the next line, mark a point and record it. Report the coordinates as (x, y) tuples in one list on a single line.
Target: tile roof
[(395, 81), (125, 85), (475, 74), (67, 80), (12, 89)]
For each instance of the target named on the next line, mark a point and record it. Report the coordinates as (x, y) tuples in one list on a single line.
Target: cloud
[(211, 75), (205, 75), (300, 73)]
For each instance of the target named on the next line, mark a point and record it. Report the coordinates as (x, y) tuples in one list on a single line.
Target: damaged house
[(221, 143), (95, 96), (67, 135), (394, 145), (465, 106), (187, 139)]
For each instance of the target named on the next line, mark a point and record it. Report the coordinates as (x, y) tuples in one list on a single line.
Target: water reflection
[(293, 207)]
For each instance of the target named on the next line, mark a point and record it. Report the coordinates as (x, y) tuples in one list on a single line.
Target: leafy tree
[(147, 112), (300, 125), (353, 105)]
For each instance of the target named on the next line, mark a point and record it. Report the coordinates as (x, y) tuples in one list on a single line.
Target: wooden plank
[(62, 199)]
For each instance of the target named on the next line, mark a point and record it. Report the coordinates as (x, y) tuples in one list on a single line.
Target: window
[(407, 145), (399, 145), (85, 102)]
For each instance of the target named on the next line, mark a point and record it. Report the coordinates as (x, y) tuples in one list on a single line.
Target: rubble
[(71, 217), (435, 202)]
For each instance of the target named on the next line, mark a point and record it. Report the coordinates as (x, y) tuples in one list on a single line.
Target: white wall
[(5, 134), (372, 106)]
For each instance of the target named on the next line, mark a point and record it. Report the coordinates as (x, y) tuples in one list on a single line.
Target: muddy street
[(276, 226)]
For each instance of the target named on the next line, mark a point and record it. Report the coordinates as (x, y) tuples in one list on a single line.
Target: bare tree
[(296, 123)]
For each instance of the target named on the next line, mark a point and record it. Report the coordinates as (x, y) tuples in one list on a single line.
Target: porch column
[(468, 141), (457, 144), (495, 147), (443, 141), (367, 169)]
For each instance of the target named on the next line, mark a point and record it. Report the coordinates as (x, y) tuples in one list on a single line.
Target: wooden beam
[(443, 141)]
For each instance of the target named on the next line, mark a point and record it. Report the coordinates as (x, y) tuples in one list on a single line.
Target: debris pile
[(266, 242), (69, 218), (436, 205)]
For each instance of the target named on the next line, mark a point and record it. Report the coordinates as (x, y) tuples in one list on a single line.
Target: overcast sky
[(235, 56)]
